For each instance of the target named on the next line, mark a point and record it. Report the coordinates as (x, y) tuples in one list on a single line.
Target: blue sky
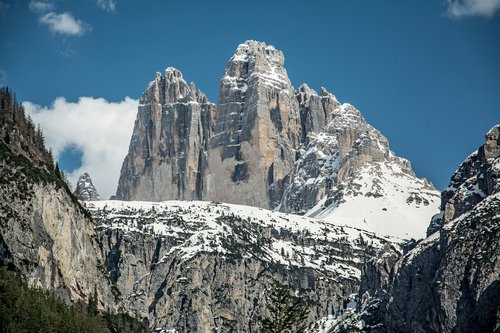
[(425, 73)]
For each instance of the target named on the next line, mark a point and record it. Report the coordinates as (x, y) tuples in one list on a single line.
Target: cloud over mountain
[(100, 129)]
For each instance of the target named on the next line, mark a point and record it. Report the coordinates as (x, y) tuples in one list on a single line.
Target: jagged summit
[(85, 190), (348, 174), (256, 61), (268, 145), (171, 87), (477, 178), (166, 154), (316, 111), (257, 129)]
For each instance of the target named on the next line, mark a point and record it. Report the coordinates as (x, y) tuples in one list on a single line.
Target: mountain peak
[(255, 62), (477, 178), (171, 87), (251, 49), (492, 145), (85, 190), (172, 73)]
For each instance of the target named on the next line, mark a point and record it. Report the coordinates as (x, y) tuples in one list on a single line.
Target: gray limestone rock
[(48, 237), (316, 111), (85, 190), (348, 164), (448, 282), (257, 130), (168, 148), (205, 266), (476, 178)]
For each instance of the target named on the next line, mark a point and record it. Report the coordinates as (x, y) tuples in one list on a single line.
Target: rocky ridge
[(348, 174), (269, 146), (449, 281), (85, 190), (45, 234), (193, 266)]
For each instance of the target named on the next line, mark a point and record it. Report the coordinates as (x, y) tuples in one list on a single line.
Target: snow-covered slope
[(208, 227), (198, 266), (347, 174), (383, 199)]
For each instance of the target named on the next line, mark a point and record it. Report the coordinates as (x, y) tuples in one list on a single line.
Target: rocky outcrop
[(85, 190), (269, 146), (45, 234), (167, 153), (448, 282), (316, 111), (257, 130), (206, 266), (476, 178), (347, 174)]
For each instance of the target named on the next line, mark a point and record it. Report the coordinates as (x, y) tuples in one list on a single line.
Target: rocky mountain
[(167, 157), (348, 174), (85, 190), (257, 130), (45, 234), (198, 266), (267, 145), (448, 282)]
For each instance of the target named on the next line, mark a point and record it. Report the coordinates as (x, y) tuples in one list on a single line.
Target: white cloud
[(100, 129), (107, 5), (40, 7), (64, 24), (460, 8)]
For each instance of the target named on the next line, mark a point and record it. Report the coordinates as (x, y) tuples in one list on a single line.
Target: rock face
[(44, 233), (85, 190), (316, 111), (269, 146), (348, 174), (257, 130), (448, 282), (195, 266), (167, 153), (475, 179)]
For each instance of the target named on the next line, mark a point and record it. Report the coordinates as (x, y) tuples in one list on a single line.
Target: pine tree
[(287, 313)]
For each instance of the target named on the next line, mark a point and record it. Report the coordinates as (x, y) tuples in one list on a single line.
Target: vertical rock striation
[(316, 111), (268, 146), (167, 153), (257, 130)]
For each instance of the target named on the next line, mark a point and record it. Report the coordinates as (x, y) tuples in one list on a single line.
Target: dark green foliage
[(287, 313), (35, 174), (19, 132), (24, 309), (124, 323), (31, 310)]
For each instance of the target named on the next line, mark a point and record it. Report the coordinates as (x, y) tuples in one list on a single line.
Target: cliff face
[(266, 145), (204, 266), (347, 174), (44, 233), (448, 282), (257, 130), (475, 179), (167, 153)]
